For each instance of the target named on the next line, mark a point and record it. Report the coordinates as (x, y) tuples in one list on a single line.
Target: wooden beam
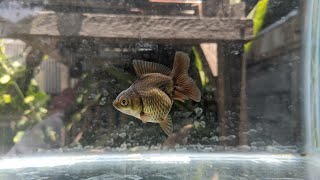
[(177, 1), (210, 52), (111, 26), (105, 4)]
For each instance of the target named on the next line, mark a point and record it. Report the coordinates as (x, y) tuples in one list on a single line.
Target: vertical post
[(221, 8), (221, 90), (243, 138), (213, 8), (294, 110)]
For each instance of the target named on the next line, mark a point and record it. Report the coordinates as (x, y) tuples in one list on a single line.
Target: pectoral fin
[(144, 118), (166, 125)]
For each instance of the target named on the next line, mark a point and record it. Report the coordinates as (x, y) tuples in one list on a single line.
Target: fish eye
[(124, 102)]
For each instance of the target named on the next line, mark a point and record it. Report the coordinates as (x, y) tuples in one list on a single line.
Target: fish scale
[(158, 106)]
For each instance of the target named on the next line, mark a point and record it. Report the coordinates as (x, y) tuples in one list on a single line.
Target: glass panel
[(157, 89), (311, 76)]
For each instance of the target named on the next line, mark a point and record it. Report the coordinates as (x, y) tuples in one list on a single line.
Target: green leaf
[(16, 64), (43, 110), (45, 57), (52, 134), (79, 98), (6, 98), (18, 136), (34, 82), (199, 66), (5, 79), (257, 15), (234, 1), (76, 117), (2, 48), (28, 99), (69, 126), (22, 121)]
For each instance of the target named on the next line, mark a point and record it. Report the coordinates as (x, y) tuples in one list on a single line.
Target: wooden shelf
[(113, 26)]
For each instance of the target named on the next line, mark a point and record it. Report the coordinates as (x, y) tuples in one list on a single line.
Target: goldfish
[(150, 97)]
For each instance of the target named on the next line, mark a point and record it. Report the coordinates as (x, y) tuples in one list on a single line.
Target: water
[(56, 92)]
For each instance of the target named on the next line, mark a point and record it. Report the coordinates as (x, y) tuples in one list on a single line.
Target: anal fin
[(166, 125)]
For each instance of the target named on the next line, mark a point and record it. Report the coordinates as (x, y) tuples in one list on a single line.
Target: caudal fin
[(184, 86)]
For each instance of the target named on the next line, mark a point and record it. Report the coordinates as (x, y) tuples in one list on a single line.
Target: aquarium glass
[(159, 89)]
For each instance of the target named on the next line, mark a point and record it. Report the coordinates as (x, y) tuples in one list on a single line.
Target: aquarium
[(159, 89)]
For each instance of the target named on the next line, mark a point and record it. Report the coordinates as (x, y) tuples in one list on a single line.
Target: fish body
[(151, 96)]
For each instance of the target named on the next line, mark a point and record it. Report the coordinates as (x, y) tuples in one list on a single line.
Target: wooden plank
[(113, 6), (212, 80), (177, 1), (113, 26), (105, 4), (210, 52)]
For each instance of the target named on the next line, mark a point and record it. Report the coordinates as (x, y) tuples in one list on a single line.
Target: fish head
[(128, 102)]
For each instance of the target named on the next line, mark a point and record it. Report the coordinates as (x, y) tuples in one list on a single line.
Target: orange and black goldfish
[(151, 96)]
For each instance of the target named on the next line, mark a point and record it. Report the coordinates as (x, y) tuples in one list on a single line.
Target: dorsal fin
[(145, 67)]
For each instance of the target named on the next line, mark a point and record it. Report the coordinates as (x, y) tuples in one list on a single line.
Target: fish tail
[(184, 86)]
